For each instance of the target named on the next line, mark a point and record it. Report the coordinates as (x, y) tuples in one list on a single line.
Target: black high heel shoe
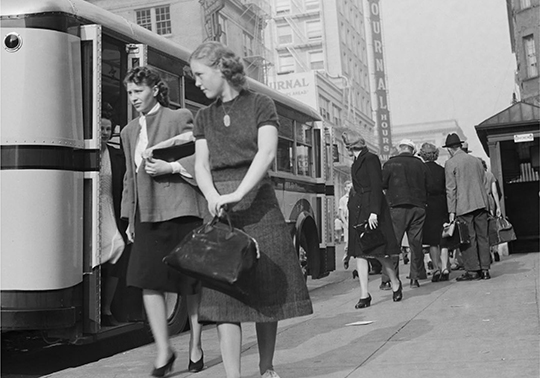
[(195, 367), (363, 302), (160, 372), (398, 294)]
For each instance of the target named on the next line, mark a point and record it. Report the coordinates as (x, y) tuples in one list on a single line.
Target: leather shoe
[(196, 366), (415, 284), (468, 276), (445, 276), (354, 274), (398, 294), (385, 285), (484, 274), (363, 302)]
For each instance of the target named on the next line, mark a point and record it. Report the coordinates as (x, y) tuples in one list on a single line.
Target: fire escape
[(257, 57)]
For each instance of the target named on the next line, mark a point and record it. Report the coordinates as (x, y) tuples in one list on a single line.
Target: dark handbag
[(454, 234), (369, 238), (222, 257), (505, 230)]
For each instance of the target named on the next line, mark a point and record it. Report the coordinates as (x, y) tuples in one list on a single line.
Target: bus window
[(175, 87), (285, 149), (304, 149)]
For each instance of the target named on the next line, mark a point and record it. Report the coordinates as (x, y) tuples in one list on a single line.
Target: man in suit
[(467, 201), (405, 180)]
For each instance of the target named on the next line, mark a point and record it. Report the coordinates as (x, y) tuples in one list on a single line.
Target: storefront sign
[(520, 138), (382, 112), (302, 86)]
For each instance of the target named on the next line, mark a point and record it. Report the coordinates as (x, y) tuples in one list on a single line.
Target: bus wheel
[(177, 317)]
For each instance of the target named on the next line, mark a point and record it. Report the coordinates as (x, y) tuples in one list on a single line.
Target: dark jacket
[(118, 168), (406, 181)]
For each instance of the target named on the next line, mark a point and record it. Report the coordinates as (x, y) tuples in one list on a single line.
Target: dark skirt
[(436, 215), (154, 241), (359, 213), (279, 289)]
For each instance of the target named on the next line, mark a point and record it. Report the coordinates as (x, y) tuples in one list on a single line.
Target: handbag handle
[(210, 225)]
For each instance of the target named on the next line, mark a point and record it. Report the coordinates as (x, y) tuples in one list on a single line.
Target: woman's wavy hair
[(429, 152), (150, 77), (216, 54)]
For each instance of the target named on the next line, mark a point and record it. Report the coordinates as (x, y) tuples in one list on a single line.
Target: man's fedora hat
[(452, 140)]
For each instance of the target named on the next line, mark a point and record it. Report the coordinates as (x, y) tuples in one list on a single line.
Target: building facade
[(429, 132), (327, 40), (524, 23), (240, 24)]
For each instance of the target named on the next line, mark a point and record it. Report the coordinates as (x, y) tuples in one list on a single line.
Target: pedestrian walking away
[(467, 201), (405, 179)]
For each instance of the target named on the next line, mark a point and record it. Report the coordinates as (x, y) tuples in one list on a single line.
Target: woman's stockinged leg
[(435, 255), (389, 269), (195, 345), (230, 342), (363, 276), (266, 340), (156, 311)]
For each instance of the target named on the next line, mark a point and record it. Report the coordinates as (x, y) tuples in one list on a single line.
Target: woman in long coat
[(368, 205), (436, 213)]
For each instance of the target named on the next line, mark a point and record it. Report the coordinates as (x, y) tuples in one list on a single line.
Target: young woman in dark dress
[(436, 213), (162, 207), (236, 143), (368, 205)]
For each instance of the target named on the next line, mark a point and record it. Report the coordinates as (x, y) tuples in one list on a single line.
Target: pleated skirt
[(279, 290)]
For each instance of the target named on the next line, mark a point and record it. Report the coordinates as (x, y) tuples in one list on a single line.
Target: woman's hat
[(452, 140), (353, 142)]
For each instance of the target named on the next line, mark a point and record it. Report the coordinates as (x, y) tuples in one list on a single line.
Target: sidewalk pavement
[(480, 329)]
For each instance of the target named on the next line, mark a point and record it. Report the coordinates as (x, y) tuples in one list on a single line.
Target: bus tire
[(308, 246), (177, 316)]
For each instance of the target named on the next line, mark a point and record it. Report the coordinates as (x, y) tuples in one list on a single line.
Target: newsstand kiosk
[(511, 139)]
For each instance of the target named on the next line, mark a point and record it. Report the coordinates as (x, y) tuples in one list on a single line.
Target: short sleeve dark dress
[(279, 290), (368, 198), (437, 210)]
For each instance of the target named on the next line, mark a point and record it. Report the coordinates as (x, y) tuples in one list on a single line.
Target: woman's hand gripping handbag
[(369, 238), (222, 257)]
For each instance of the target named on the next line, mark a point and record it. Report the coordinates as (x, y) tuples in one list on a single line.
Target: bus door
[(91, 94)]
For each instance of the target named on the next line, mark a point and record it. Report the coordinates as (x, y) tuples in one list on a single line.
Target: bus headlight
[(12, 42)]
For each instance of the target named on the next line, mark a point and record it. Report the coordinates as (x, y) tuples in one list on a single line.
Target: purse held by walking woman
[(369, 238), (222, 257)]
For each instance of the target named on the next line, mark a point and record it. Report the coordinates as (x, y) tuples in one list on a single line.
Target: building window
[(223, 28), (248, 44), (283, 7), (156, 19), (316, 60), (313, 29), (312, 5), (286, 64), (284, 33), (530, 56), (525, 4)]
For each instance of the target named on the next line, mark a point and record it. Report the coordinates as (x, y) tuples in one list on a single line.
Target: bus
[(61, 61)]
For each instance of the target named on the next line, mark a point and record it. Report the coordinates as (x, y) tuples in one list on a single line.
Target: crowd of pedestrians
[(421, 198), (409, 197)]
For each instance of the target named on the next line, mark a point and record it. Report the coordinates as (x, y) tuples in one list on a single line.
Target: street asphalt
[(479, 329)]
